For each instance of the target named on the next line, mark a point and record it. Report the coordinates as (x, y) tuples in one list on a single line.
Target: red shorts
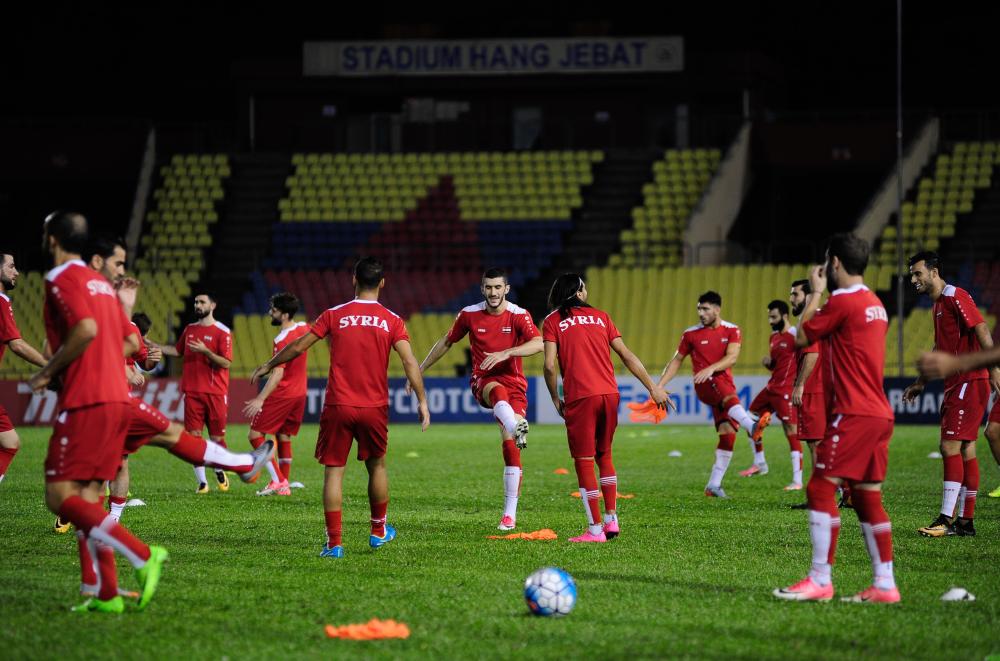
[(87, 442), (5, 422), (778, 403), (339, 425), (812, 417), (590, 425), (201, 409), (995, 411), (856, 448), (516, 396), (145, 423), (280, 416), (962, 410), (715, 393)]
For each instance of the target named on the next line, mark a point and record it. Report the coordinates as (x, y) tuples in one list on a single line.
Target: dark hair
[(780, 306), (286, 303), (206, 292), (806, 288), (930, 259), (495, 273), (711, 297), (562, 296), (103, 245), (142, 320), (851, 250), (368, 272), (69, 229)]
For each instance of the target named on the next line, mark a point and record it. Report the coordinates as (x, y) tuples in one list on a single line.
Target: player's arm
[(166, 349), (986, 342), (940, 365), (131, 344), (26, 352), (79, 338), (218, 361), (634, 365), (817, 285), (549, 369), (289, 353), (439, 349), (805, 369), (914, 389), (134, 376), (253, 406), (728, 360), (670, 369), (529, 348), (415, 379)]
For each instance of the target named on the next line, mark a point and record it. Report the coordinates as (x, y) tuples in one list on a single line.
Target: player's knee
[(949, 448), (10, 441), (993, 432)]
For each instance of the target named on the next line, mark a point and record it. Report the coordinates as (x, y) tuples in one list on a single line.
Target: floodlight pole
[(900, 277)]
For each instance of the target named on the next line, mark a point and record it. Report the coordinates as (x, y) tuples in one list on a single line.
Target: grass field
[(688, 577)]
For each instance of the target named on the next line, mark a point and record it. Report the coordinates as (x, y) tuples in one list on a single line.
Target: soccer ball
[(550, 591)]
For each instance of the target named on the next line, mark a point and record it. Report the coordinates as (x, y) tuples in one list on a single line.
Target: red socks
[(971, 484), (378, 518), (868, 505), (588, 489), (190, 448), (87, 574), (285, 458), (609, 482), (333, 528), (98, 525), (953, 468), (6, 456), (726, 442), (498, 394), (511, 454)]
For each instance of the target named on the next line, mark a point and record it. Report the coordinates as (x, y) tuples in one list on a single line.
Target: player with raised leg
[(500, 335), (714, 347), (362, 332), (580, 338)]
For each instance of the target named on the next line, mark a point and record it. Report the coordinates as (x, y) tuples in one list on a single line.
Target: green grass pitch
[(688, 577)]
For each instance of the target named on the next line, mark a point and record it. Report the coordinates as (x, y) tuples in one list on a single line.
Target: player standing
[(500, 335), (361, 333), (85, 327), (714, 347), (579, 337), (776, 397), (10, 337), (855, 448), (807, 393), (958, 329), (207, 348), (279, 407)]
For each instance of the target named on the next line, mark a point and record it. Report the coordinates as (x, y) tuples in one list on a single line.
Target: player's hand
[(198, 347), (128, 289), (937, 365), (797, 395), (424, 415), (39, 382), (408, 388), (154, 355), (995, 380), (259, 373), (766, 362), (253, 407), (912, 391), (560, 407), (493, 359), (704, 375), (817, 279), (136, 379), (661, 397)]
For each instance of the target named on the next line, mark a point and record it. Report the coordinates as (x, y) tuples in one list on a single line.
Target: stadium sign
[(508, 57)]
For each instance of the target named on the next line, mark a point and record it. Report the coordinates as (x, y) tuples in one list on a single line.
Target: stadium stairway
[(607, 205)]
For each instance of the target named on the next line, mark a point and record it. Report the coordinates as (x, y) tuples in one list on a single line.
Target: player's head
[(797, 296), (8, 272), (142, 320), (494, 287), (369, 275), (925, 272), (283, 308), (106, 254), (66, 231), (568, 291), (846, 255), (204, 304), (777, 315), (709, 308)]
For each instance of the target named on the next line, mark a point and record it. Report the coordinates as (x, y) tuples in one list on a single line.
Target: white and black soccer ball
[(550, 591)]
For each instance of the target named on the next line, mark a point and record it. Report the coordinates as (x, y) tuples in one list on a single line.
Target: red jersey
[(489, 333), (955, 317), (855, 324), (8, 327), (138, 359), (200, 374), (293, 383), (73, 293), (783, 367), (707, 345), (361, 334), (814, 382), (583, 340)]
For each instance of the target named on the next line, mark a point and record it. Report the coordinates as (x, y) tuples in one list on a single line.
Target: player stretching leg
[(958, 329), (579, 337), (500, 335), (361, 333), (776, 397), (855, 448), (279, 407), (714, 347)]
